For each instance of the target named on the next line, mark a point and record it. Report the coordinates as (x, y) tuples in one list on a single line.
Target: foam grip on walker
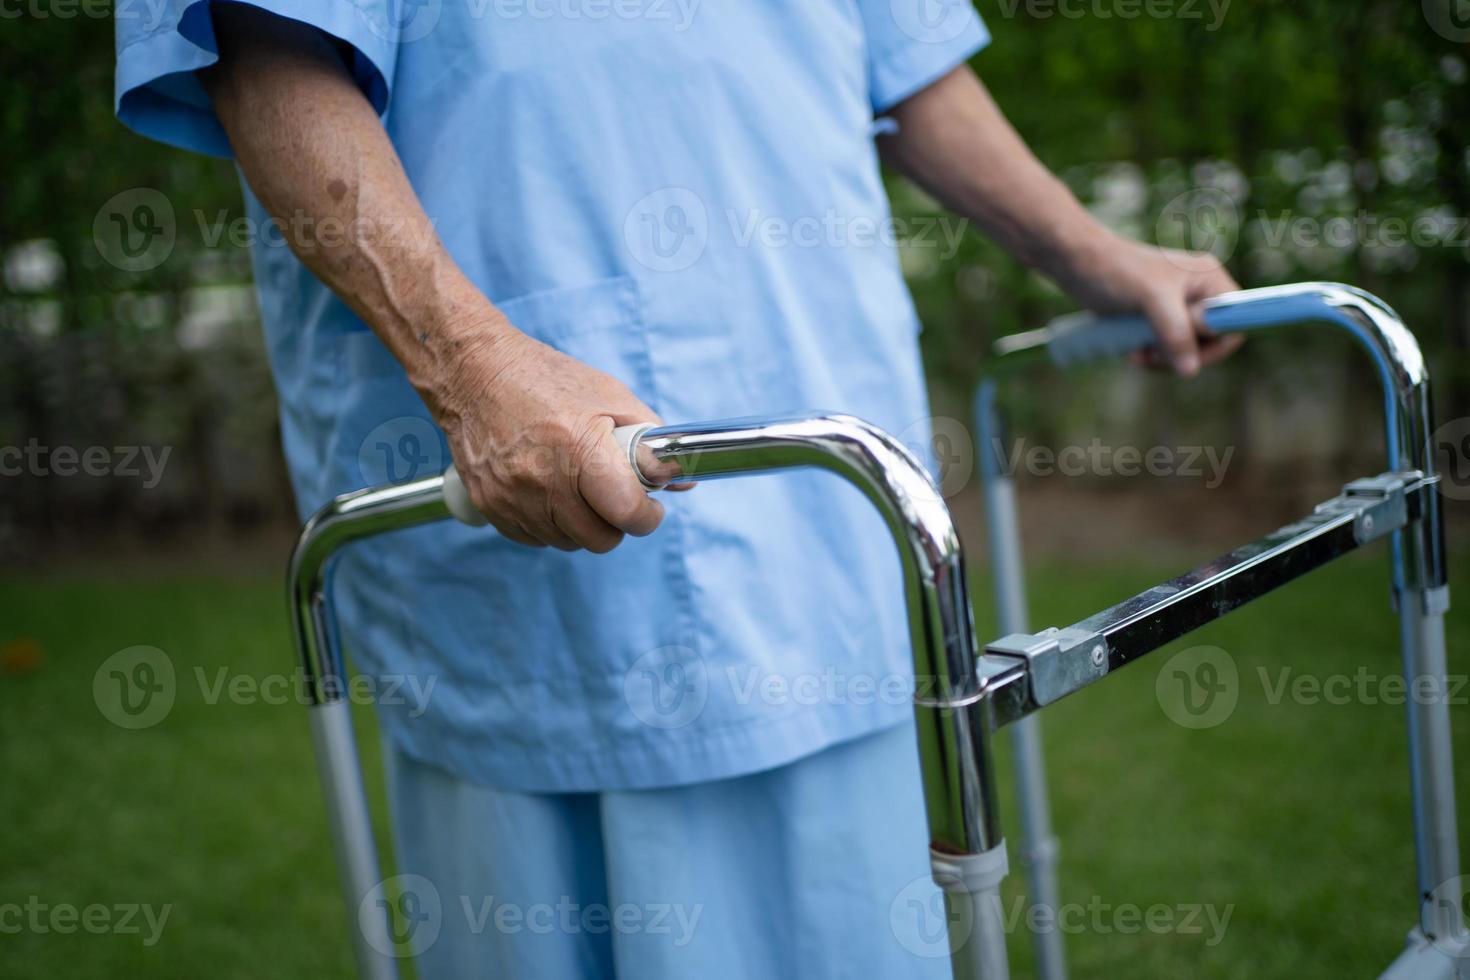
[(627, 437), (1081, 338), (457, 499)]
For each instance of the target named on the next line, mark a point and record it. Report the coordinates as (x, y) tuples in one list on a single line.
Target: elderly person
[(516, 224)]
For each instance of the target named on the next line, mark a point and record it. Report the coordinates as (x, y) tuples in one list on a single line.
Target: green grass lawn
[(1293, 817)]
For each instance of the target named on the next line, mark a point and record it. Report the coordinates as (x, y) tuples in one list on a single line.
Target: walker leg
[(977, 935), (1431, 765), (1039, 846), (352, 837)]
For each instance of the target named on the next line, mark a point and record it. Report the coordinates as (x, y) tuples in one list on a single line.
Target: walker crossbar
[(1023, 672), (1059, 662)]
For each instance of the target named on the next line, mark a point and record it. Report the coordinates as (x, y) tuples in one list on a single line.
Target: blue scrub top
[(685, 195)]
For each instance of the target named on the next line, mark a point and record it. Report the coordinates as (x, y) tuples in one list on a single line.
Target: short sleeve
[(914, 43), (161, 43)]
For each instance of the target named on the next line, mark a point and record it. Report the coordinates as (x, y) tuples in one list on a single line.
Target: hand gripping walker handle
[(457, 497), (1081, 338)]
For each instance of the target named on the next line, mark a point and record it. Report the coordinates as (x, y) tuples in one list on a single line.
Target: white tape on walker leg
[(971, 873)]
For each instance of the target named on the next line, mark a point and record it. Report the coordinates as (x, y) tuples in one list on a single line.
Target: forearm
[(316, 155), (530, 428), (954, 141)]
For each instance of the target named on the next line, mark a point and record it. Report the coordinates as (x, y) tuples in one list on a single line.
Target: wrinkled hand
[(530, 430), (1166, 285)]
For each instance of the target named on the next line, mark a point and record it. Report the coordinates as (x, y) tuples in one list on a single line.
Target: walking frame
[(967, 692)]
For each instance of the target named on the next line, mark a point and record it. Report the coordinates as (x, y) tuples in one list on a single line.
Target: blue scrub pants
[(815, 869)]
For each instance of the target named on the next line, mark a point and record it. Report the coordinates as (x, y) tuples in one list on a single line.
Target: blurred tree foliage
[(1244, 128)]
